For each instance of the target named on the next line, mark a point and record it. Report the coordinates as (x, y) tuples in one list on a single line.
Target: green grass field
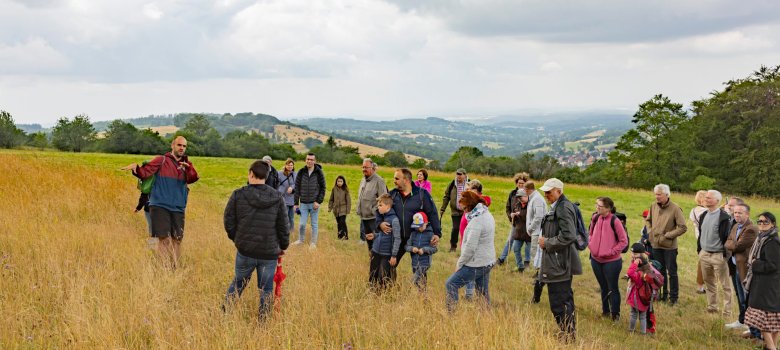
[(76, 273)]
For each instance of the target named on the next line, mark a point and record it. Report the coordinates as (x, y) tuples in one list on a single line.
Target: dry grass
[(76, 273)]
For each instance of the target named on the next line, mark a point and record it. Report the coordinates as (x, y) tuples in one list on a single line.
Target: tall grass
[(76, 273)]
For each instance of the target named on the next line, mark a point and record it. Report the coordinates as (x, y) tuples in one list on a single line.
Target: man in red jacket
[(168, 200)]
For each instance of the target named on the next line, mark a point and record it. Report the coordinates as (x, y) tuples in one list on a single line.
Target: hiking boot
[(500, 262)]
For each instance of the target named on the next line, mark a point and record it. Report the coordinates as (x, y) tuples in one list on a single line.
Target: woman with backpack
[(607, 242), (287, 189)]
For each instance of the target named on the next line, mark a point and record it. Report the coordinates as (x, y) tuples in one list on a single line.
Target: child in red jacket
[(640, 292)]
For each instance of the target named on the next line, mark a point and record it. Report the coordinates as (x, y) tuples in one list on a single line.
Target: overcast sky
[(371, 58)]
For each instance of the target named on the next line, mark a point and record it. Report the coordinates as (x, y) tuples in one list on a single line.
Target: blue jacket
[(406, 207), (170, 183), (385, 243), (421, 240)]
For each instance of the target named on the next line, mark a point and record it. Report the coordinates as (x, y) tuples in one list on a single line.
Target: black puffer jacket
[(310, 188), (256, 221)]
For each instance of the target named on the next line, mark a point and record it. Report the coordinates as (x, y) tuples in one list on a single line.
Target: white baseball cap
[(550, 184)]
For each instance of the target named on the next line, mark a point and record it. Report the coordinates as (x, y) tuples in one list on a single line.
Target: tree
[(646, 154), (120, 137), (73, 135), (198, 125), (396, 159), (462, 158), (38, 140), (10, 135), (418, 163)]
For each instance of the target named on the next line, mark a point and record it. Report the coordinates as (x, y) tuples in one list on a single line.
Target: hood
[(260, 196)]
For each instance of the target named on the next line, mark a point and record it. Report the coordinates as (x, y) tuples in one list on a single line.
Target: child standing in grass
[(386, 245), (340, 204), (419, 244), (640, 293)]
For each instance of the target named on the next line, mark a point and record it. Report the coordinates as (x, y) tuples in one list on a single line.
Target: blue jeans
[(517, 247), (291, 216), (608, 274), (479, 275), (265, 280), (307, 209), (740, 291)]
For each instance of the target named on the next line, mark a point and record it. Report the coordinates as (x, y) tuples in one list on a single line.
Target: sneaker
[(746, 335), (500, 261), (701, 291), (312, 246), (735, 324), (297, 243)]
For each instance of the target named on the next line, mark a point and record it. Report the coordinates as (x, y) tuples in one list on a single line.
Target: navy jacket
[(406, 207)]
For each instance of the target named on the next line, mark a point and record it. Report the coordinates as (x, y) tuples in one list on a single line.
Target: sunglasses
[(763, 222)]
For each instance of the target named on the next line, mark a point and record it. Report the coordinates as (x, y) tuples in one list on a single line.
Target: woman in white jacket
[(478, 253)]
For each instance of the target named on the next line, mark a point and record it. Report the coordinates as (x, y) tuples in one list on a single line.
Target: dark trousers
[(668, 260), (367, 226), (608, 274), (538, 288), (381, 274), (740, 291), (341, 224), (562, 306), (455, 231)]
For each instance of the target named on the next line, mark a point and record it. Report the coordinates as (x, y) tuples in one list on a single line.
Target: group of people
[(259, 218)]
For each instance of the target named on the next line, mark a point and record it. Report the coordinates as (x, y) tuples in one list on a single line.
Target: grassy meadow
[(76, 272)]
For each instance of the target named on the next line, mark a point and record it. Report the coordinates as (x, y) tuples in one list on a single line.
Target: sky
[(369, 59)]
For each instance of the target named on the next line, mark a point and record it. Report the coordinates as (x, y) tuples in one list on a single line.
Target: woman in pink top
[(422, 180), (607, 240)]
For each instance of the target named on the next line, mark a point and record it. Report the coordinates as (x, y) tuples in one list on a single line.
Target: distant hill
[(437, 138)]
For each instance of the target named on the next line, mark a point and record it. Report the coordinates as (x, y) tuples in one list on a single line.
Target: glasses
[(458, 173), (763, 222)]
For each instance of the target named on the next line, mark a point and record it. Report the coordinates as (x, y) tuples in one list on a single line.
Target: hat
[(550, 184), (645, 213), (419, 219), (637, 248), (267, 159), (460, 171), (521, 193)]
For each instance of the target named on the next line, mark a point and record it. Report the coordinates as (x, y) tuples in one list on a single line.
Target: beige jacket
[(370, 189), (664, 224)]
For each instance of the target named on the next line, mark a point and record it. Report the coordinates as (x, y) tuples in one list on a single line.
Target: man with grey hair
[(665, 222), (371, 187), (714, 228)]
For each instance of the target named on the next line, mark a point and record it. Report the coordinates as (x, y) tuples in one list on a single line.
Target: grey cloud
[(608, 21)]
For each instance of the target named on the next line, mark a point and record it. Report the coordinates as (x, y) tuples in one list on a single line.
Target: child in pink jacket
[(636, 274)]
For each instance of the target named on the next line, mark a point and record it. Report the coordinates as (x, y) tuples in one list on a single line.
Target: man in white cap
[(560, 258)]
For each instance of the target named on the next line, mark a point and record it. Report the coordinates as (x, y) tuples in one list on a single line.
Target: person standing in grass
[(511, 204), (256, 221), (386, 245), (741, 238), (173, 171), (340, 204), (664, 224), (309, 194), (694, 216), (452, 196), (762, 282), (476, 187), (287, 189), (408, 200), (478, 253), (371, 187), (637, 277), (714, 228), (607, 240), (419, 245), (560, 258)]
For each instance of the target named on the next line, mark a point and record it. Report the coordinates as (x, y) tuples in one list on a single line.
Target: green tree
[(647, 154), (120, 137), (10, 135), (396, 159), (418, 163), (38, 140), (75, 135), (462, 158), (198, 125)]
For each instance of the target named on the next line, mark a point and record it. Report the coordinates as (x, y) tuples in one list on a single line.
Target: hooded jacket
[(256, 221), (310, 188)]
